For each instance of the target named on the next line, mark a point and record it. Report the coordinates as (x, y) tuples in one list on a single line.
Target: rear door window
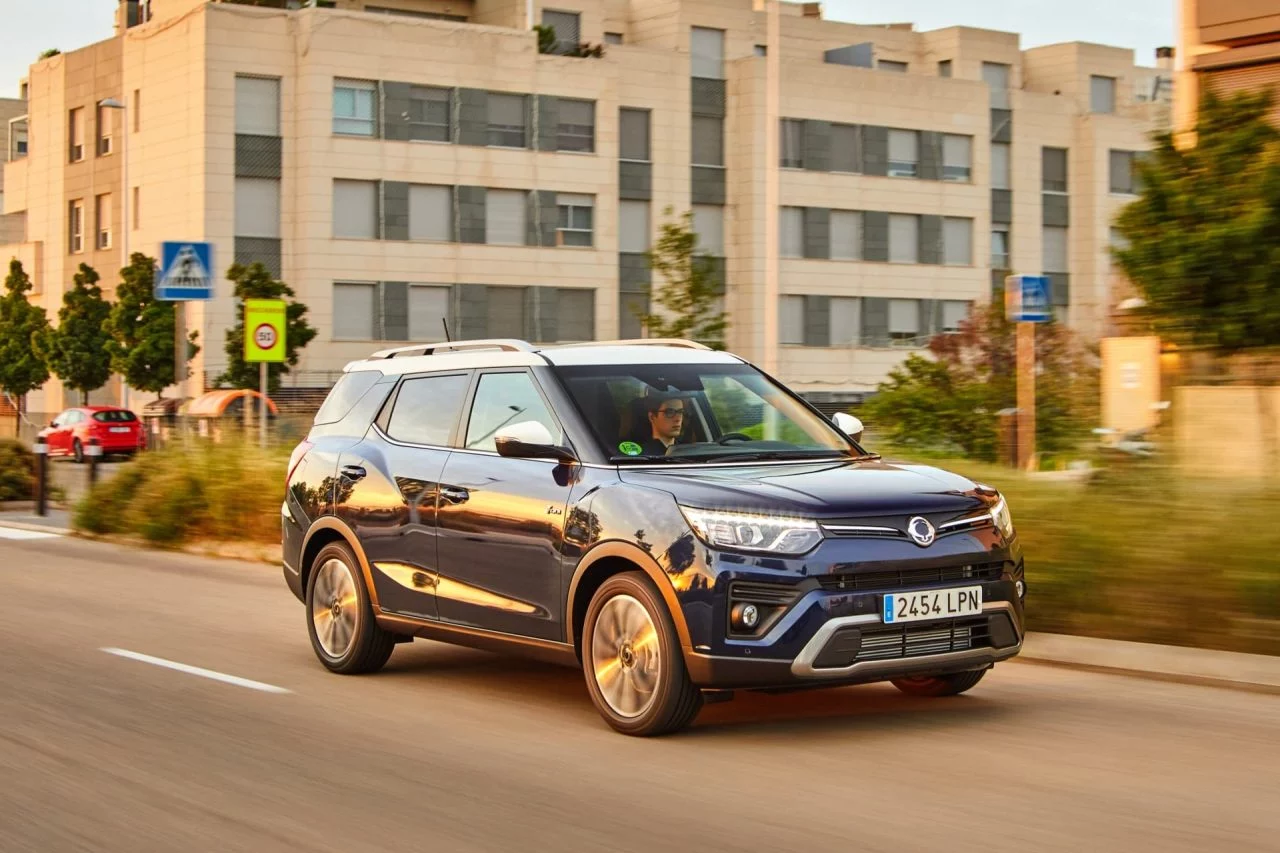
[(426, 409)]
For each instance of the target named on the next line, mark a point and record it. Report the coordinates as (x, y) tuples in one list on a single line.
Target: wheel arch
[(324, 532), (603, 562)]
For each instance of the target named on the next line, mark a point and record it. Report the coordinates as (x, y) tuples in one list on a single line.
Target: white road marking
[(18, 533), (195, 670)]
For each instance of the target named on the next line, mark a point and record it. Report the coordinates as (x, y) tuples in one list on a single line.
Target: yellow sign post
[(264, 339)]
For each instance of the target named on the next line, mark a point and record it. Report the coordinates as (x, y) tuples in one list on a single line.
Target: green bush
[(228, 490), (17, 471)]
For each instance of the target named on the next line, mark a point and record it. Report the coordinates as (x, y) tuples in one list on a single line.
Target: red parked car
[(117, 430)]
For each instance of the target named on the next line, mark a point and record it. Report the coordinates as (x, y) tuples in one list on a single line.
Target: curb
[(36, 528), (1210, 667)]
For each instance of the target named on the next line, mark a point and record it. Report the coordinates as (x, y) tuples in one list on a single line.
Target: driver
[(666, 421)]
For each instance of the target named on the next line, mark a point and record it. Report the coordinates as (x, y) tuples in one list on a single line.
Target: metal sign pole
[(1026, 394), (179, 364), (262, 418)]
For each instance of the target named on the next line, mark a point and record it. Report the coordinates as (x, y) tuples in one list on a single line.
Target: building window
[(75, 129), (904, 238), (257, 106), (1053, 170), (957, 241), (355, 209), (354, 108), (575, 226), (996, 75), (791, 232), (1001, 178), (792, 147), (760, 50), (633, 226), (104, 119), (904, 320), (957, 158), (706, 48), (791, 321), (506, 216), (428, 309), (1102, 94), (355, 311), (1054, 258), (613, 38), (846, 235), (892, 65), (431, 213), (136, 208), (567, 27), (577, 129), (137, 110), (1000, 247), (75, 227), (507, 121), (257, 207), (846, 321), (954, 312), (102, 220), (1122, 177), (708, 224), (633, 134), (708, 141), (944, 68), (904, 153), (577, 315), (429, 108)]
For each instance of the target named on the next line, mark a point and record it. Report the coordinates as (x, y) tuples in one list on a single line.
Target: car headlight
[(1002, 519), (768, 534)]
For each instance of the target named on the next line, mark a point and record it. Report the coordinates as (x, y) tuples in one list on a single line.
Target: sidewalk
[(1259, 673), (56, 521)]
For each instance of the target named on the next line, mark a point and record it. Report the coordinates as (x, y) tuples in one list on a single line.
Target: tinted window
[(114, 416), (344, 394), (503, 399), (426, 409)]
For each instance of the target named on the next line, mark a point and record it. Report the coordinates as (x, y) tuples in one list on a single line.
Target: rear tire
[(940, 685), (77, 450), (340, 622), (632, 661)]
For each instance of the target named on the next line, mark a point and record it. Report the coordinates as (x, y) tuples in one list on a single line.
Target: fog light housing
[(745, 616)]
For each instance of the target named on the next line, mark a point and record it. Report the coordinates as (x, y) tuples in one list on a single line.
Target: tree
[(692, 290), (21, 324), (141, 330), (1203, 238), (76, 351), (950, 401), (256, 282)]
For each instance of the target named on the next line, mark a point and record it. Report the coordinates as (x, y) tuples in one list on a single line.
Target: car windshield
[(691, 413), (114, 416)]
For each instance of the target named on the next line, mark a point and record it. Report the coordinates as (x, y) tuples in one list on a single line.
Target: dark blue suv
[(666, 517)]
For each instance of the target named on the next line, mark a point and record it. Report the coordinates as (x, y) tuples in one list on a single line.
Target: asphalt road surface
[(454, 750)]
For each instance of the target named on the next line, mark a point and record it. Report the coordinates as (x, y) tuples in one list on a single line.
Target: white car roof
[(467, 355)]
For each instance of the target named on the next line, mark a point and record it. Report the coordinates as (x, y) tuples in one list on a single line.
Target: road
[(455, 750)]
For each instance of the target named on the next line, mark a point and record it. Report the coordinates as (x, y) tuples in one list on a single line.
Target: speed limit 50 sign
[(264, 325)]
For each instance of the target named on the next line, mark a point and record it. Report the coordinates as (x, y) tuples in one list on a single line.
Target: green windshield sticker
[(631, 448)]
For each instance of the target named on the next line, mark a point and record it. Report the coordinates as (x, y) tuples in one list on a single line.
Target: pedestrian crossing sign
[(186, 272)]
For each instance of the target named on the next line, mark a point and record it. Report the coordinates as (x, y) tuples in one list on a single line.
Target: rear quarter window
[(345, 393)]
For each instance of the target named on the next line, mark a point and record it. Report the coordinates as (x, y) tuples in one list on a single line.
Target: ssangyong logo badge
[(921, 531)]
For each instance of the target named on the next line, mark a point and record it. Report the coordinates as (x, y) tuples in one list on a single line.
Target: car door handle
[(454, 495), (353, 472)]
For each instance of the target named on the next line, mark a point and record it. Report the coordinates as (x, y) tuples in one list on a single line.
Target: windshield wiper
[(674, 460), (777, 454)]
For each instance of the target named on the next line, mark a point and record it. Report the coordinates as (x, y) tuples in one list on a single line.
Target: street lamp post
[(113, 104)]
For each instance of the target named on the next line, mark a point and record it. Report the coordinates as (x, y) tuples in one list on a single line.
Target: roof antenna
[(445, 320)]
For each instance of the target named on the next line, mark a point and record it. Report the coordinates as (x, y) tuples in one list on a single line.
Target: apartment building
[(1227, 46), (418, 162)]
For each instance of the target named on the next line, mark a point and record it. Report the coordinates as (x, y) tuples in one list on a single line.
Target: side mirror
[(530, 440), (849, 425)]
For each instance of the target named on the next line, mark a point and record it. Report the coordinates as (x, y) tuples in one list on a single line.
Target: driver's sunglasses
[(671, 413)]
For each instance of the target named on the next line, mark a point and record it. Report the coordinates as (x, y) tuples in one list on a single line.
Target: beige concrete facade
[(1227, 46), (177, 74)]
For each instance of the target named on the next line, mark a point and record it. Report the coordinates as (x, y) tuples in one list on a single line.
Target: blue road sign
[(186, 272), (1027, 299)]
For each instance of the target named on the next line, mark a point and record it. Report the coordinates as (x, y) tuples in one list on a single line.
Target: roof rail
[(642, 342), (506, 344)]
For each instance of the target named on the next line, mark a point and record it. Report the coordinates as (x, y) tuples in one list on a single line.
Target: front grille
[(769, 594), (891, 643), (906, 578)]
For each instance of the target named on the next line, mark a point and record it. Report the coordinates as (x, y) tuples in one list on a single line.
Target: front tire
[(632, 661), (940, 685), (344, 634)]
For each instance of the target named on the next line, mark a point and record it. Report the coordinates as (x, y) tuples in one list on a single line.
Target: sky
[(1142, 25)]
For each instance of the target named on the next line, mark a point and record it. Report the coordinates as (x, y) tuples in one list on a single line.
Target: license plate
[(932, 604), (119, 429)]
